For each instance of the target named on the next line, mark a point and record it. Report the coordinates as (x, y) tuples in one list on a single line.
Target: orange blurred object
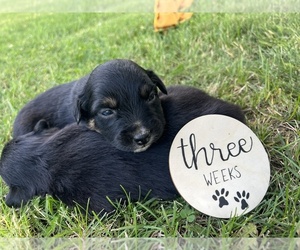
[(169, 13)]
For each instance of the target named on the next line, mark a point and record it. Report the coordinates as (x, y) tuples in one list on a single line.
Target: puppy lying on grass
[(76, 164), (118, 99)]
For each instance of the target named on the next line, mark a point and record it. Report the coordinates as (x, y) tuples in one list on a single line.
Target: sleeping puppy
[(119, 99), (76, 164)]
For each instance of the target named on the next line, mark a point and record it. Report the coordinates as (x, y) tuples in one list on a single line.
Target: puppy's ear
[(81, 107), (157, 81), (41, 125), (77, 111), (82, 98)]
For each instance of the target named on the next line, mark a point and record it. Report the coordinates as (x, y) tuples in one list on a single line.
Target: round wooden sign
[(219, 166)]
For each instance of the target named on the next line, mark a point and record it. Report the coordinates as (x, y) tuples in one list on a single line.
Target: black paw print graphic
[(242, 198), (221, 197)]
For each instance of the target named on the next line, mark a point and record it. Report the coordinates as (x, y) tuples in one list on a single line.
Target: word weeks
[(222, 175)]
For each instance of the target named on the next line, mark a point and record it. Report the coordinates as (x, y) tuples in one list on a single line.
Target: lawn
[(249, 59)]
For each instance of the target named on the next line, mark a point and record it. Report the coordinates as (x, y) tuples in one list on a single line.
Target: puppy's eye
[(152, 96), (106, 112)]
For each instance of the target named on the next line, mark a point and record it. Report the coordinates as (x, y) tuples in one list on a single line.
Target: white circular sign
[(219, 166)]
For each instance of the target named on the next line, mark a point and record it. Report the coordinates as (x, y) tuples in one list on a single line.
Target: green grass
[(248, 59)]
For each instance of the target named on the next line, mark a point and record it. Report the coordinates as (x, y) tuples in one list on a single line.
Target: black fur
[(118, 99), (77, 164)]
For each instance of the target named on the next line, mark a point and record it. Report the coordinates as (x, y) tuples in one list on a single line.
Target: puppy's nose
[(142, 138)]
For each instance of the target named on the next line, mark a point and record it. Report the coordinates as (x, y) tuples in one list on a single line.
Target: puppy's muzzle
[(136, 138), (142, 137)]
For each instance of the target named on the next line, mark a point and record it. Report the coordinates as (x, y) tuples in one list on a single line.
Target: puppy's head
[(23, 169), (120, 101)]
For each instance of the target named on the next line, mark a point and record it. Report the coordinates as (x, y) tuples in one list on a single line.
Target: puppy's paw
[(16, 197), (41, 125)]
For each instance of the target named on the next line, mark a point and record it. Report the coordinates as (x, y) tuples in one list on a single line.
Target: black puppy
[(77, 164), (118, 99)]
